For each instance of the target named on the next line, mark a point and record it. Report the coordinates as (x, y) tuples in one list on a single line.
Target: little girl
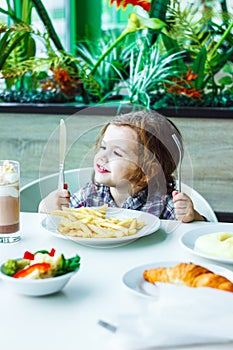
[(133, 168)]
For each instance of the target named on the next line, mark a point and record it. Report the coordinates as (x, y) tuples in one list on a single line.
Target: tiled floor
[(33, 140)]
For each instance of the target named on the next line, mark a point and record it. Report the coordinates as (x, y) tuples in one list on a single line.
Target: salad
[(41, 264)]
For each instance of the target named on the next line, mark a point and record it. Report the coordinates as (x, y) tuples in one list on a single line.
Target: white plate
[(188, 240), (152, 224), (133, 279)]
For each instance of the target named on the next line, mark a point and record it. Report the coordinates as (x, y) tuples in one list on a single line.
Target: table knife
[(175, 138), (62, 153)]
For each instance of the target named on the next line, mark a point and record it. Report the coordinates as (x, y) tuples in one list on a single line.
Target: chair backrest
[(32, 193), (200, 203)]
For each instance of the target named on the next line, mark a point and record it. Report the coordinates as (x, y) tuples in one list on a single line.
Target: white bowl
[(37, 287)]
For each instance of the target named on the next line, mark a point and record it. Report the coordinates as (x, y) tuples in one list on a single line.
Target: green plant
[(136, 23), (110, 70), (21, 70), (208, 45), (149, 72), (168, 55), (110, 65), (227, 80), (175, 60), (17, 43)]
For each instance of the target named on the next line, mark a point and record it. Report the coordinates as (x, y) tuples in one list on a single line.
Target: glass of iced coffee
[(9, 201)]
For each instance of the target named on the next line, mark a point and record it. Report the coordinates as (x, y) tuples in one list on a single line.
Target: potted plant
[(176, 64), (166, 57), (54, 78)]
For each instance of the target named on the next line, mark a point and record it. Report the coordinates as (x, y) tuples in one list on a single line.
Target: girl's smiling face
[(117, 159)]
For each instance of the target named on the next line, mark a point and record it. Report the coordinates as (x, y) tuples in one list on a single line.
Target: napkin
[(180, 316)]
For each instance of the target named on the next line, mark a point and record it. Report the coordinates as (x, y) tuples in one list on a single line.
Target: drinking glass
[(9, 201)]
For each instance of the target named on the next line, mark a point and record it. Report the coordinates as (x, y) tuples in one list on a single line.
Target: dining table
[(84, 315)]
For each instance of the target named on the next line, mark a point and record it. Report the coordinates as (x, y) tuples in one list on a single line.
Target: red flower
[(190, 76), (183, 86), (62, 81), (144, 4), (61, 75)]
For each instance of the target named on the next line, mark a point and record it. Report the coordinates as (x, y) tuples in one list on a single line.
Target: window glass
[(113, 18), (3, 17)]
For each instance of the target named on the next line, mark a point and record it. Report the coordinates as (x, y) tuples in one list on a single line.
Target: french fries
[(93, 223)]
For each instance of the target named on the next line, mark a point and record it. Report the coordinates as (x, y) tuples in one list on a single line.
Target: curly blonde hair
[(156, 148)]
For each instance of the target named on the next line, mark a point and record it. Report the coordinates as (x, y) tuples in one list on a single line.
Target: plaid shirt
[(93, 196)]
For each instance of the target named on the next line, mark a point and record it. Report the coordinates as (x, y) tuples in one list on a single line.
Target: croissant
[(188, 274)]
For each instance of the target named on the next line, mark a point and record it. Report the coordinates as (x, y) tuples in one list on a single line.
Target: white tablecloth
[(68, 320)]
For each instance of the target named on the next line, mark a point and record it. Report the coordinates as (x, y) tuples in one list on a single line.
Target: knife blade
[(175, 138), (62, 153)]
